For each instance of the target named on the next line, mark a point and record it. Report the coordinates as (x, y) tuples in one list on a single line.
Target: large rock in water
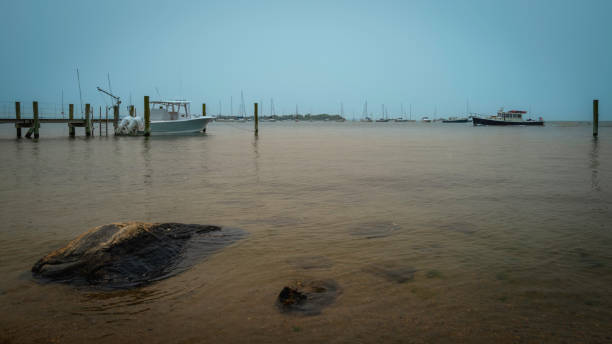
[(132, 254)]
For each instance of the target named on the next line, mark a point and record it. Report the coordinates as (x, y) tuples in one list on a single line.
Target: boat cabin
[(512, 115), (169, 110)]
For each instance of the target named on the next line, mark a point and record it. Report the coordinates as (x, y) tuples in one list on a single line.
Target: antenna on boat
[(242, 106), (157, 91), (110, 89), (115, 98), (80, 94)]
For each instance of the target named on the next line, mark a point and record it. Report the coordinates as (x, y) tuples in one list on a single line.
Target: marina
[(303, 172)]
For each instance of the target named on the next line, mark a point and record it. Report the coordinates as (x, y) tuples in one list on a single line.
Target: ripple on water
[(374, 230), (310, 262), (392, 271)]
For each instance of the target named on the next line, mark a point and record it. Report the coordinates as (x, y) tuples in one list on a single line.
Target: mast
[(231, 106), (62, 102), (80, 94), (411, 112), (242, 106)]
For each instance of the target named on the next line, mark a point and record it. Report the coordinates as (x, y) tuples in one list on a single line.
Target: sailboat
[(383, 117), (365, 113)]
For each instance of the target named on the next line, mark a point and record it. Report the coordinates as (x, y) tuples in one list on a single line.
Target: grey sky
[(553, 56)]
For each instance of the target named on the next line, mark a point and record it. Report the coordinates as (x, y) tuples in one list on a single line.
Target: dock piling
[(70, 117), (595, 117), (256, 120), (100, 122), (35, 125), (87, 119), (18, 117), (131, 110), (203, 109), (147, 116), (116, 118), (106, 124)]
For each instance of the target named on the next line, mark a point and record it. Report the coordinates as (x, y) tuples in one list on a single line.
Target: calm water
[(434, 233)]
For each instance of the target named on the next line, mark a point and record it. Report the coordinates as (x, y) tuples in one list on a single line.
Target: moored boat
[(173, 117), (512, 117), (455, 120)]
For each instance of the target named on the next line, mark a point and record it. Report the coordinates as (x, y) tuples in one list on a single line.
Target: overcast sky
[(551, 56)]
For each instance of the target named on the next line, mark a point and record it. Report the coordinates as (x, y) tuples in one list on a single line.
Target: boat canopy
[(168, 110), (170, 102)]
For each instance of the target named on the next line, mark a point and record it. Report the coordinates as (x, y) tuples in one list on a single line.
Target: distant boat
[(426, 119), (455, 120), (512, 117), (366, 119)]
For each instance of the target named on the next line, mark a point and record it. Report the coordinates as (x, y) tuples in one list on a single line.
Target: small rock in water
[(289, 297), (307, 298), (132, 254)]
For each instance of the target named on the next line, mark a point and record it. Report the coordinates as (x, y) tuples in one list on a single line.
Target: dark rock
[(289, 297), (307, 298), (127, 255)]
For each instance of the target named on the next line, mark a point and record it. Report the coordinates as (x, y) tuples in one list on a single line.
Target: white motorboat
[(173, 117)]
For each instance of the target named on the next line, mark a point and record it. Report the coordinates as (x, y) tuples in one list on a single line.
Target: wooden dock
[(35, 121)]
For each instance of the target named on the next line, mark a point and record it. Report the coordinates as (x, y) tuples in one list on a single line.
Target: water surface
[(433, 232)]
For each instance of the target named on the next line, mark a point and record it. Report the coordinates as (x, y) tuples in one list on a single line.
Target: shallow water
[(433, 232)]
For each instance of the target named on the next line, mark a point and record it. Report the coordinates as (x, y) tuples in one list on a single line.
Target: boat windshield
[(162, 110)]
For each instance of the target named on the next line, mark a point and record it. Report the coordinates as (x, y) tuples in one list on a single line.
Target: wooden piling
[(147, 116), (131, 110), (70, 117), (256, 121), (35, 124), (595, 117), (106, 122), (36, 121), (116, 118), (100, 121), (87, 120), (204, 110), (18, 117)]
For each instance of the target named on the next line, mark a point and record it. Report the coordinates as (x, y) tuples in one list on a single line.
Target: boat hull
[(464, 120), (484, 121), (186, 126)]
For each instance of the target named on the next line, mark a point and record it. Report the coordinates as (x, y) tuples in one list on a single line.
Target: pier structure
[(34, 122)]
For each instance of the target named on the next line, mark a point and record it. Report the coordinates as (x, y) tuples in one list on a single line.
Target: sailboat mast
[(80, 94)]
